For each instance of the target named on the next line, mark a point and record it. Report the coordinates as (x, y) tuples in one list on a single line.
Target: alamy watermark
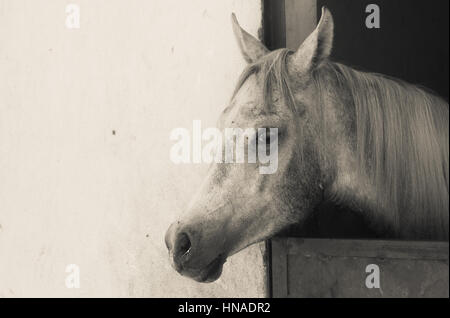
[(373, 19), (373, 279), (73, 277), (212, 145), (73, 16)]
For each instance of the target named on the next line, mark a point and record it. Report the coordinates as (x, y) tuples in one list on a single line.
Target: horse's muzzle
[(190, 260)]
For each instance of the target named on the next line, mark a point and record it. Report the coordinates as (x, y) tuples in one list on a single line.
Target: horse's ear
[(251, 48), (316, 48)]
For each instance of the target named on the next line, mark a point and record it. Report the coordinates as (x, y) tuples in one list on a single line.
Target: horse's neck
[(354, 190), (346, 184), (422, 205)]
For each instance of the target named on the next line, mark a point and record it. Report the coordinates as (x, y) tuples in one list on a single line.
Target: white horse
[(374, 143)]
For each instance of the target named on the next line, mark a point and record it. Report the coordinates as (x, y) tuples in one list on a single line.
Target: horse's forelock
[(274, 74)]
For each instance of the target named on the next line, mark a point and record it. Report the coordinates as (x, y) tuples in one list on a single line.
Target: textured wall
[(85, 117)]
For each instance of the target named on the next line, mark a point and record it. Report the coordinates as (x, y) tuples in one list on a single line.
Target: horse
[(371, 142)]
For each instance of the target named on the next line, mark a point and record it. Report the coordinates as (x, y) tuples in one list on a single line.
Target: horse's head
[(237, 205)]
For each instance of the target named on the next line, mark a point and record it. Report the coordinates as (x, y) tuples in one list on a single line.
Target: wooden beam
[(301, 19), (274, 22), (369, 248)]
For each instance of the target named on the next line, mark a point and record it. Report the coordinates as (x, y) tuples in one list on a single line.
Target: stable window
[(336, 254)]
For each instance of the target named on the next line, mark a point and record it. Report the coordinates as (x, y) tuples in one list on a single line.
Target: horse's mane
[(402, 146), (401, 141)]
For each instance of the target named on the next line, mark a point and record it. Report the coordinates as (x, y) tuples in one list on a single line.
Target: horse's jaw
[(207, 274)]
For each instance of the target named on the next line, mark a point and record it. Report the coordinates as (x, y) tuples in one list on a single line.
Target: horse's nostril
[(182, 245)]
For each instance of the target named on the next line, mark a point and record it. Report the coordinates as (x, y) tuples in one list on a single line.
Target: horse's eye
[(267, 139)]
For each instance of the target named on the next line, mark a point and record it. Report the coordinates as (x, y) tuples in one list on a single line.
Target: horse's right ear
[(251, 48), (316, 48)]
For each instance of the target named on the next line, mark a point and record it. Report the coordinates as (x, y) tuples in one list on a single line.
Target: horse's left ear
[(316, 48), (251, 48)]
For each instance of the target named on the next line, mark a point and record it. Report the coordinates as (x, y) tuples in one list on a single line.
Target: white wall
[(70, 190)]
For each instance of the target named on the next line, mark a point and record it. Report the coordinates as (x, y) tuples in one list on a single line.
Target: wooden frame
[(415, 269), (287, 23)]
